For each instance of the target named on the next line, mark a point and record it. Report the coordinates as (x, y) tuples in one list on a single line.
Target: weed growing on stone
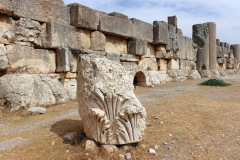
[(214, 82)]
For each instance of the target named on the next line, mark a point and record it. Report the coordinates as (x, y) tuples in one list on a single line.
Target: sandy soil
[(185, 120)]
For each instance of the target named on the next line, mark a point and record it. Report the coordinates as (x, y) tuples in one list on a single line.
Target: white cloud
[(226, 14)]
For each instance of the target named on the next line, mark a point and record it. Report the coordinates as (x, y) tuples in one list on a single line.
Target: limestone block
[(193, 74), (117, 14), (113, 56), (157, 78), (137, 47), (62, 36), (28, 32), (98, 41), (221, 60), (39, 110), (116, 26), (172, 20), (151, 51), (129, 66), (142, 30), (169, 55), (26, 59), (192, 65), (169, 45), (162, 63), (173, 64), (176, 76), (7, 7), (63, 60), (3, 62), (84, 17), (26, 91), (73, 62), (128, 58), (160, 32), (161, 54), (99, 54), (149, 64), (116, 44), (110, 111), (70, 85), (70, 75), (42, 11), (7, 35), (183, 64), (172, 31)]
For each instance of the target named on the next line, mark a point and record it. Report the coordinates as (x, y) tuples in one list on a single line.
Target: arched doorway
[(139, 79)]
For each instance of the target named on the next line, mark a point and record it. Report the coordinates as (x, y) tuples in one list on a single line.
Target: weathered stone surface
[(91, 146), (142, 30), (128, 58), (98, 41), (162, 63), (212, 46), (39, 110), (28, 59), (172, 20), (129, 65), (42, 11), (176, 76), (149, 64), (137, 47), (116, 44), (113, 56), (62, 36), (109, 149), (160, 32), (28, 32), (3, 62), (26, 91), (120, 15), (157, 78), (7, 34), (63, 60), (151, 51), (110, 111), (70, 85), (116, 26), (173, 64), (194, 74), (84, 17), (70, 137)]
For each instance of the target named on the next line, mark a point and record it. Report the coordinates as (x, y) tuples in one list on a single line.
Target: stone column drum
[(110, 111)]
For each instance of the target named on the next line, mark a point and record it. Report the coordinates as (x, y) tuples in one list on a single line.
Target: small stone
[(87, 154), (109, 149), (69, 137), (161, 122), (152, 151), (91, 146), (39, 110), (67, 150), (121, 157), (156, 117), (170, 135), (156, 147), (128, 155), (165, 143), (169, 147), (126, 148), (53, 143)]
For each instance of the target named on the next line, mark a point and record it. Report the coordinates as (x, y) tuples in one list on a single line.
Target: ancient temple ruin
[(41, 40)]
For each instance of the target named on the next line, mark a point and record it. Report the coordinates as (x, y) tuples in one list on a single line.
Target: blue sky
[(226, 14)]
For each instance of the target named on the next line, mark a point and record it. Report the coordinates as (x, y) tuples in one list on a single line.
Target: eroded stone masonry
[(41, 40)]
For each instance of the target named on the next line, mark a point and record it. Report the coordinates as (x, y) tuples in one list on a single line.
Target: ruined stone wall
[(40, 41)]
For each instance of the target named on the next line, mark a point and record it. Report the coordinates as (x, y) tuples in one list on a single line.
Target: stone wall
[(40, 41)]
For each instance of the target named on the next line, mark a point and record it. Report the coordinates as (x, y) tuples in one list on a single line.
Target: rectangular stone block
[(113, 56), (116, 44), (151, 51), (64, 36), (63, 60), (116, 26), (98, 41), (172, 20), (172, 31), (28, 59), (40, 10), (183, 64), (128, 58), (137, 47), (162, 63), (143, 30), (160, 32), (84, 17), (71, 86), (173, 64), (161, 54), (129, 66), (7, 35)]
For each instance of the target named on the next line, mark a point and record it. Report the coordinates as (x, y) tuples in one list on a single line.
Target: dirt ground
[(185, 120)]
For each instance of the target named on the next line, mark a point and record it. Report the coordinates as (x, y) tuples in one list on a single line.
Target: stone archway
[(140, 77)]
